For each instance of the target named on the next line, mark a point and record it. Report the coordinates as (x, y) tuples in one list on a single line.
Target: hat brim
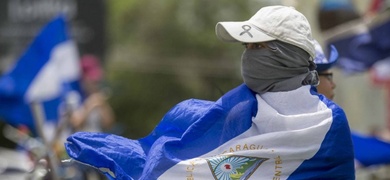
[(333, 55), (241, 32)]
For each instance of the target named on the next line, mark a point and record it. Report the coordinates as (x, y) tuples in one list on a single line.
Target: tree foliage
[(163, 52)]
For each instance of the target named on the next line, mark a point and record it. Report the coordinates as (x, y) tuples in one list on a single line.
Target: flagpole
[(387, 87), (39, 118)]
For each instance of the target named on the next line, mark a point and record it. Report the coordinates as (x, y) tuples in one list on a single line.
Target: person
[(324, 69), (273, 126), (370, 150), (95, 114)]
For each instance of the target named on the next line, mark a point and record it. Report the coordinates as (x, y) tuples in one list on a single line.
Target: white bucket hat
[(270, 23)]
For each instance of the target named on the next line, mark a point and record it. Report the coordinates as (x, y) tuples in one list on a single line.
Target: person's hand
[(94, 100)]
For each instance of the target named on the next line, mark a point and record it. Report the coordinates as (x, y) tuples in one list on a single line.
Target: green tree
[(163, 52)]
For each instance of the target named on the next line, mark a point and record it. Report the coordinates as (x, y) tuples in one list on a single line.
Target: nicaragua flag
[(44, 73), (370, 150), (361, 44), (278, 135)]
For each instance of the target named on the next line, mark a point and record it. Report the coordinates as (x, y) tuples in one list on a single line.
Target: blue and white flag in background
[(282, 135), (360, 43), (45, 72), (370, 150)]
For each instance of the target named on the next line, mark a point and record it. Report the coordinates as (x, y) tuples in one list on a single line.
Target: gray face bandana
[(281, 67)]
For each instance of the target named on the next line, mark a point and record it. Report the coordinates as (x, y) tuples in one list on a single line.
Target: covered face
[(287, 61), (277, 67)]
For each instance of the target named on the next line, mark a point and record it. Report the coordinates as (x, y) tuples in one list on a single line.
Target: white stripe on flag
[(281, 139), (62, 67)]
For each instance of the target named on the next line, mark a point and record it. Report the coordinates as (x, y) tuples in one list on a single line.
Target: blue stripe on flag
[(36, 56), (334, 152), (370, 150), (208, 125), (17, 112), (363, 44), (188, 130), (27, 75)]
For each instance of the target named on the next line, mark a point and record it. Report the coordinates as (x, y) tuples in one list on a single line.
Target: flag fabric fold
[(44, 73), (370, 150), (240, 136)]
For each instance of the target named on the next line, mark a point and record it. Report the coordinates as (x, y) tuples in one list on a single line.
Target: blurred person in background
[(95, 114), (370, 150), (324, 65)]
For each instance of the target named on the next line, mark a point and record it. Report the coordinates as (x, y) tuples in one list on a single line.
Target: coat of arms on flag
[(234, 167)]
